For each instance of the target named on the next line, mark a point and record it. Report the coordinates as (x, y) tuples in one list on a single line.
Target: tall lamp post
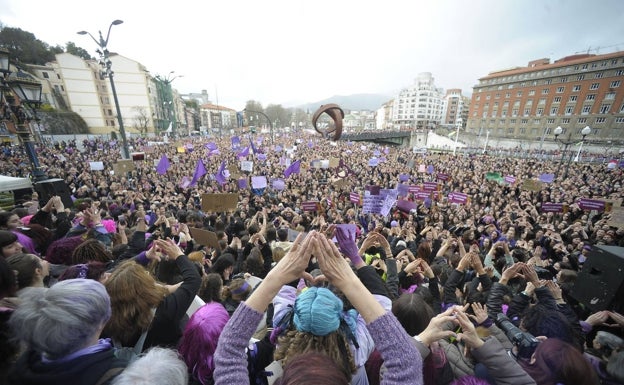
[(168, 98), (558, 131), (106, 63), (28, 92), (266, 117)]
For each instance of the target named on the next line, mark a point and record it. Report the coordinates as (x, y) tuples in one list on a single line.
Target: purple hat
[(587, 247), (394, 224)]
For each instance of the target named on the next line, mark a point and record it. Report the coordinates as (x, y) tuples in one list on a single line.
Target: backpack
[(130, 354)]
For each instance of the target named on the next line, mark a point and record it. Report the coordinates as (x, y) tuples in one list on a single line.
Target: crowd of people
[(118, 288)]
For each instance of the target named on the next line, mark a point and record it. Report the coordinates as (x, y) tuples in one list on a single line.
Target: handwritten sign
[(219, 202)]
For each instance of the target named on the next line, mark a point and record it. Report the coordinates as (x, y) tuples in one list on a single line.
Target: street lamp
[(267, 118), (558, 131), (106, 63), (28, 92)]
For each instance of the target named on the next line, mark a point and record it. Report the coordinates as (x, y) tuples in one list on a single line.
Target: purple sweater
[(401, 358)]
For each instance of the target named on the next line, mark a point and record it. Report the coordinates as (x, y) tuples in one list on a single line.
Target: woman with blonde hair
[(140, 305)]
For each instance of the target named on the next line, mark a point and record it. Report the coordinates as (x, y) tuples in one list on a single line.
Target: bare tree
[(141, 119)]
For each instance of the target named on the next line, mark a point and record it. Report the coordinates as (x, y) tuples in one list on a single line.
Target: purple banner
[(403, 189), (414, 189), (374, 190), (591, 204), (373, 204), (422, 195), (457, 197), (309, 206), (430, 186), (510, 179), (354, 197), (443, 177), (548, 207)]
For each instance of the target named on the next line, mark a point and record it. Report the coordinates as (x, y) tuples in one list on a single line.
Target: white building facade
[(418, 106)]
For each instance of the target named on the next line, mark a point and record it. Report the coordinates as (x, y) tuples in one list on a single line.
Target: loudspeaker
[(50, 187), (600, 284)]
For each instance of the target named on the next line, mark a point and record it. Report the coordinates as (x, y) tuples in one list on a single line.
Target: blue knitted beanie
[(317, 311)]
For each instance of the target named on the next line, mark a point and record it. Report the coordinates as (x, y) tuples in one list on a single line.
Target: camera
[(523, 341)]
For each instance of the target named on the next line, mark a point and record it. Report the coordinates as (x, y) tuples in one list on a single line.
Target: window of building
[(569, 110), (512, 121), (507, 95), (563, 79), (604, 109), (502, 122), (540, 111), (581, 120), (598, 75), (531, 92), (514, 112), (550, 121), (487, 97), (565, 121), (584, 66), (536, 121), (586, 110), (615, 84), (576, 88), (609, 96), (45, 75), (590, 97), (524, 121), (557, 99), (554, 110), (560, 89), (527, 111), (522, 130), (545, 91), (619, 119), (573, 98), (519, 93), (594, 86), (619, 72), (548, 81), (542, 101), (580, 77), (601, 120), (594, 65), (510, 130)]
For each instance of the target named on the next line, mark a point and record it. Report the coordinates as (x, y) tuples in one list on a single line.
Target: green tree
[(71, 48), (278, 115), (24, 47)]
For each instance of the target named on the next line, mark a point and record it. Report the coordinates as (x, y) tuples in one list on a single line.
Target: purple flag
[(406, 206), (253, 148), (278, 148), (404, 177), (235, 142), (547, 178), (510, 179), (243, 153), (430, 169), (220, 176), (262, 157), (242, 183), (310, 144), (372, 162), (200, 170), (163, 165), (211, 146), (259, 181), (294, 168), (376, 153), (403, 189)]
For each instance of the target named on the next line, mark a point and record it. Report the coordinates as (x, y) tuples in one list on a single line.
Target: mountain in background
[(349, 102)]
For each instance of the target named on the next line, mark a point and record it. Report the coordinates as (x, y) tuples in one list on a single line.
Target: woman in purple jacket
[(402, 361)]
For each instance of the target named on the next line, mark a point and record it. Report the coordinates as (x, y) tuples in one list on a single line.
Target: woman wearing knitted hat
[(402, 360)]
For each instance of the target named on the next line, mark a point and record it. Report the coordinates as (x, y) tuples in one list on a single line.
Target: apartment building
[(455, 108), (528, 103), (418, 106)]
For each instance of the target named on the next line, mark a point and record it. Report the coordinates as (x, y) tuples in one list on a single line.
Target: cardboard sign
[(246, 165), (334, 162), (204, 237), (531, 185), (123, 166), (137, 156), (219, 202), (617, 217)]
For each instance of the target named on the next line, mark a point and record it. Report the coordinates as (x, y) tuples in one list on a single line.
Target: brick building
[(528, 103)]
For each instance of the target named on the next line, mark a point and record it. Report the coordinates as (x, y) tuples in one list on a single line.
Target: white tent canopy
[(9, 183)]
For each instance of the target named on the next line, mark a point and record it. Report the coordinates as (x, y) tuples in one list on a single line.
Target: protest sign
[(531, 185), (204, 237), (123, 166), (309, 206), (219, 202), (548, 207), (591, 204), (96, 166)]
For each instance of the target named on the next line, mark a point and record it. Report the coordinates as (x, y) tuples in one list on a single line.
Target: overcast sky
[(287, 51)]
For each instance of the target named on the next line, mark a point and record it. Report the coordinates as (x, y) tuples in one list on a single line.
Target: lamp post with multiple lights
[(107, 71), (558, 131), (20, 111)]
